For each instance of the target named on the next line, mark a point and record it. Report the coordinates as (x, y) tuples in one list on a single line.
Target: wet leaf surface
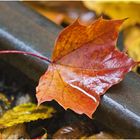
[(85, 64)]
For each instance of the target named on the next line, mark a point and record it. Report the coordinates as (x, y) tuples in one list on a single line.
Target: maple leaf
[(85, 63)]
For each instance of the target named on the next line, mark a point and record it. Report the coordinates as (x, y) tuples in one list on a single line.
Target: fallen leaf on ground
[(25, 113), (85, 64), (74, 130), (117, 9)]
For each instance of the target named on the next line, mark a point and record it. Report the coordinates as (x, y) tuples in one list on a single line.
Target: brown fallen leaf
[(74, 130), (85, 64)]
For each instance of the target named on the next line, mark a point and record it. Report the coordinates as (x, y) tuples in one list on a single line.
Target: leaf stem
[(25, 53)]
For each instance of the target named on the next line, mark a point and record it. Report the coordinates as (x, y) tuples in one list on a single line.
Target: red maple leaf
[(85, 63)]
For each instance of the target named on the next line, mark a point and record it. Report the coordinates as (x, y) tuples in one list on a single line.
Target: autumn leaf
[(117, 9), (25, 113), (85, 64)]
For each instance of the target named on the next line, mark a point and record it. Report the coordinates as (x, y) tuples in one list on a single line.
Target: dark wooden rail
[(23, 29)]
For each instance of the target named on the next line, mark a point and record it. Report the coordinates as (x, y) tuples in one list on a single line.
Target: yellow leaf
[(25, 113), (132, 42), (117, 10)]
